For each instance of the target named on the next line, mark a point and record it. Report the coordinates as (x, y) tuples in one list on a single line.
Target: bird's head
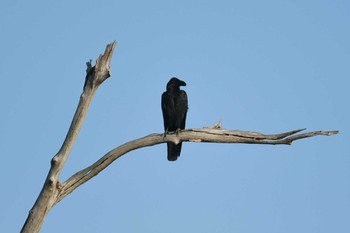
[(175, 83)]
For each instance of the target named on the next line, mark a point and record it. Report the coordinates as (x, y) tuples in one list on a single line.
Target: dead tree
[(53, 190)]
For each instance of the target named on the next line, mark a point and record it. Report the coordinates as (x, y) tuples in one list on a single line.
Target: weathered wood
[(51, 188), (188, 135)]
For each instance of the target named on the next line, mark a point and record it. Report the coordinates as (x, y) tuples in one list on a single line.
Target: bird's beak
[(182, 83)]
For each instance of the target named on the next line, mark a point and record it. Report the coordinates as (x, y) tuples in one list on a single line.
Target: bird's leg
[(177, 132), (165, 133)]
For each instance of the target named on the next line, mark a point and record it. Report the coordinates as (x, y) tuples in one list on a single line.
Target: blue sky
[(267, 66)]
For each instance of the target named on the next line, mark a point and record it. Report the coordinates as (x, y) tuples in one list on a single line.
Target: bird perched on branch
[(174, 107)]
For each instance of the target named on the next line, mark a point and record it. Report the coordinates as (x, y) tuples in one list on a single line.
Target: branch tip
[(88, 66), (333, 132)]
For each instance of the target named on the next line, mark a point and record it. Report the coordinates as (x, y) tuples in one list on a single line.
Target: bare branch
[(212, 135)]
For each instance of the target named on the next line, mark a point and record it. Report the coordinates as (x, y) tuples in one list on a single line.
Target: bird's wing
[(168, 109), (181, 109)]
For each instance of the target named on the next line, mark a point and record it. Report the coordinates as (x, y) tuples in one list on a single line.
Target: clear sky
[(267, 66)]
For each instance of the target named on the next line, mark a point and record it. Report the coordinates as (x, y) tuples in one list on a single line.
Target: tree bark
[(51, 188), (53, 191)]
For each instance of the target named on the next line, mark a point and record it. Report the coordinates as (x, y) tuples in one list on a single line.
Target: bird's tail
[(173, 151)]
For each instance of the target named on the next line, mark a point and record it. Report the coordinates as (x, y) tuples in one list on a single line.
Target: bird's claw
[(167, 132), (177, 132)]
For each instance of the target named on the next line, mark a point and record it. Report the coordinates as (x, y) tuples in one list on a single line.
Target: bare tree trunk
[(53, 191), (49, 193)]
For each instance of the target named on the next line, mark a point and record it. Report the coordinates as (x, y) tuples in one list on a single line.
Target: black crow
[(174, 107)]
